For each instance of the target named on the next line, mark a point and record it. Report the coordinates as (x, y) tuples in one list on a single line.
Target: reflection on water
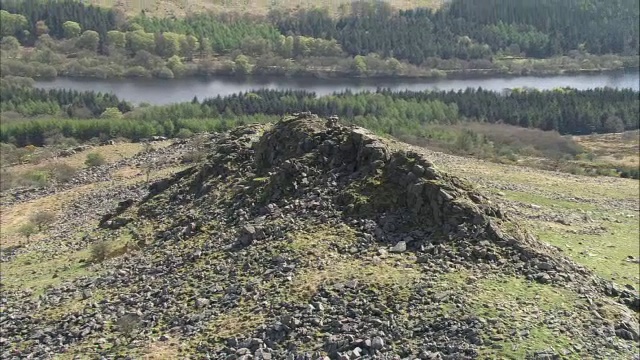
[(156, 91)]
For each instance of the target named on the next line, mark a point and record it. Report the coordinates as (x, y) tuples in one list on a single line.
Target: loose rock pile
[(308, 240), (170, 155)]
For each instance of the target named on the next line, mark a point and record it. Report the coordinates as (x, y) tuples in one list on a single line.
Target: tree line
[(567, 111), (19, 95), (48, 17), (462, 29), (599, 26), (470, 29)]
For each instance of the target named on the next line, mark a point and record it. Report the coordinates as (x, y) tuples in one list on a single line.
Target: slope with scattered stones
[(305, 240)]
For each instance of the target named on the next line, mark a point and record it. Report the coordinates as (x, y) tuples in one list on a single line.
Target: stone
[(418, 170), (318, 306), (377, 343), (545, 266), (399, 247), (543, 278), (356, 352), (243, 351), (261, 354), (627, 334), (202, 302), (86, 294)]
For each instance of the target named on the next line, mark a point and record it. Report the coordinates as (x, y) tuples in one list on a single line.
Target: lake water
[(157, 91)]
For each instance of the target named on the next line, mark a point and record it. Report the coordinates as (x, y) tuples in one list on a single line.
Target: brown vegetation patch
[(127, 172), (13, 216), (620, 149), (163, 8), (162, 350)]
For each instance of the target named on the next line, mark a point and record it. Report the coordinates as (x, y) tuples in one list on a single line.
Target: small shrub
[(36, 178), (613, 124), (631, 136), (95, 159), (41, 155), (42, 218), (629, 173), (111, 113), (588, 156), (507, 153), (193, 156), (165, 73), (27, 230), (606, 172), (184, 133), (7, 179), (137, 71), (62, 172), (576, 170), (9, 154), (100, 251), (148, 168)]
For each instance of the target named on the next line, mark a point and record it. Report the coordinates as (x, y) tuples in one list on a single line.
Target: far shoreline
[(337, 75)]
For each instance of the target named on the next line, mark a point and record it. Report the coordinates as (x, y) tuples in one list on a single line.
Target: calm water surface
[(157, 91)]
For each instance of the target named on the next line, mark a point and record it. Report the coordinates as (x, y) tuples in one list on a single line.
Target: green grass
[(535, 181), (35, 271), (608, 201), (38, 270), (517, 303), (324, 243), (528, 198), (604, 253)]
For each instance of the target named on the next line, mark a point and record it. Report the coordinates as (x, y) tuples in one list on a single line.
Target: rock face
[(311, 240)]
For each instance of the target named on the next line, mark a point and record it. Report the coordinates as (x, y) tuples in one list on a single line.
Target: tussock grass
[(619, 149), (236, 322)]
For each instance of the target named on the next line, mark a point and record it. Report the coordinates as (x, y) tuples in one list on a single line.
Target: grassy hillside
[(593, 221)]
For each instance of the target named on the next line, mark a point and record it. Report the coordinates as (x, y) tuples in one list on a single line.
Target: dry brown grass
[(619, 149), (163, 8), (13, 216), (162, 350), (236, 322), (111, 153), (128, 172)]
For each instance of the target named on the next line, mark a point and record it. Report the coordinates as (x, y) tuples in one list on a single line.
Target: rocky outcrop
[(410, 186), (308, 240)]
